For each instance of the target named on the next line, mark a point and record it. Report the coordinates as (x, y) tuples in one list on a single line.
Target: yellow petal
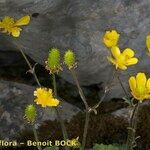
[(131, 61), (53, 102), (122, 67), (1, 25), (148, 84), (107, 42), (147, 96), (111, 38), (148, 42), (8, 20), (23, 21), (128, 52), (136, 96), (15, 31), (132, 83), (114, 33), (43, 105), (111, 60), (115, 51), (141, 82)]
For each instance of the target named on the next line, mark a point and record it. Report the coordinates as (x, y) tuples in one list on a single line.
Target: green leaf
[(129, 101), (51, 148), (108, 147)]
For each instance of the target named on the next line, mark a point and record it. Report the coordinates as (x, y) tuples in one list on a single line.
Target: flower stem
[(28, 63), (132, 128), (36, 136), (64, 131), (121, 84), (54, 85), (87, 117), (106, 90), (79, 89), (36, 79), (55, 91)]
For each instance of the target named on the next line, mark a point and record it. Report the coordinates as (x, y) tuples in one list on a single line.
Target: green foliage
[(51, 148), (108, 147), (129, 101)]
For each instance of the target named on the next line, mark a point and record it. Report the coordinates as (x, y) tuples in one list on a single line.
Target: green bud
[(30, 113), (53, 62), (69, 59)]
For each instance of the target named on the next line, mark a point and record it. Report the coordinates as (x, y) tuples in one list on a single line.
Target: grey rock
[(80, 25), (14, 97), (127, 112), (123, 113), (9, 57)]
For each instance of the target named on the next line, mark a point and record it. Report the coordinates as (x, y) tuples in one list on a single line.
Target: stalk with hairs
[(11, 27), (69, 60), (139, 86), (54, 66)]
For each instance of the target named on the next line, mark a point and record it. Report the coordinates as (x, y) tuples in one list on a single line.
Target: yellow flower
[(122, 60), (12, 27), (45, 97), (111, 38), (140, 87), (75, 143), (148, 42)]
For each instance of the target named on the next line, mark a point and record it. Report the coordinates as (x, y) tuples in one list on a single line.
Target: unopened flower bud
[(53, 61), (30, 113), (69, 59)]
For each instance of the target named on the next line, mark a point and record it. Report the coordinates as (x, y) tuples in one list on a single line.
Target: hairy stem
[(28, 63), (54, 85), (87, 117), (121, 84), (64, 131), (55, 91), (36, 136), (36, 79), (79, 89), (107, 89), (132, 128)]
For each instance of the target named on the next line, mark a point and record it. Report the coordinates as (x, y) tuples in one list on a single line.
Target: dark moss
[(103, 128), (143, 128)]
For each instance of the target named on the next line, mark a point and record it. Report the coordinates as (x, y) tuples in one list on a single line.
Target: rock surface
[(80, 25), (126, 112), (14, 97)]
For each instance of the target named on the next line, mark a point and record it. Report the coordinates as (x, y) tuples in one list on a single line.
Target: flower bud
[(111, 38), (30, 113), (148, 43), (69, 59), (53, 62)]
